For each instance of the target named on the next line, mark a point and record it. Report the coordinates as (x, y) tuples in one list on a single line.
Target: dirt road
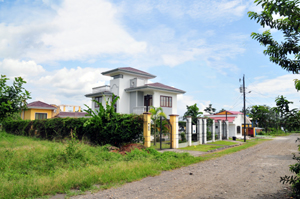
[(251, 173)]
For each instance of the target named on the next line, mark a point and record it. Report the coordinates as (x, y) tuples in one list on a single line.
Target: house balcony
[(139, 110)]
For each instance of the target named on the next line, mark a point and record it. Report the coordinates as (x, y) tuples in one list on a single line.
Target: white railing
[(101, 89), (139, 110)]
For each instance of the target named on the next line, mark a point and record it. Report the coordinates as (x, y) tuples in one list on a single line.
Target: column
[(147, 129), (199, 129), (189, 129), (205, 131), (213, 133), (220, 131), (227, 129), (174, 133)]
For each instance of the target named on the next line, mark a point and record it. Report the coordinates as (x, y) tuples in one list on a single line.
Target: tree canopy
[(12, 98), (194, 112), (284, 53)]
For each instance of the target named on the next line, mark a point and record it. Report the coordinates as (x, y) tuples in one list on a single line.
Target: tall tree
[(12, 98), (284, 53), (210, 109), (194, 112)]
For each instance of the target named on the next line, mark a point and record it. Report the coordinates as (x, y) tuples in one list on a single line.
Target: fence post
[(174, 133), (227, 130), (213, 133), (220, 131), (147, 129), (189, 129), (205, 131), (199, 129)]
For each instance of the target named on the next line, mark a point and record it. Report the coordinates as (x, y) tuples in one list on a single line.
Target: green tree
[(282, 105), (194, 112), (284, 53), (210, 109), (12, 98), (155, 117)]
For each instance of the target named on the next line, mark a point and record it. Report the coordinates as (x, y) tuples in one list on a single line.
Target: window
[(98, 99), (40, 116), (238, 129), (165, 101)]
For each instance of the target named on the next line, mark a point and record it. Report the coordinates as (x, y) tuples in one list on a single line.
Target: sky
[(60, 48)]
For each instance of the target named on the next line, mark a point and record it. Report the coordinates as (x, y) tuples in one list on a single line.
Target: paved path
[(251, 173)]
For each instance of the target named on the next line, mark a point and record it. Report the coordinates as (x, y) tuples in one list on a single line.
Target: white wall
[(156, 102)]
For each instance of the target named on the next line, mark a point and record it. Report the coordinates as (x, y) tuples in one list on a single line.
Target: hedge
[(117, 131)]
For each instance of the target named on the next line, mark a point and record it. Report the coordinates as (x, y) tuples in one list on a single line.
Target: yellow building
[(38, 110)]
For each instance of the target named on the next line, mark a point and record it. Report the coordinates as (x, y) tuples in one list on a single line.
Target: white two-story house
[(135, 93)]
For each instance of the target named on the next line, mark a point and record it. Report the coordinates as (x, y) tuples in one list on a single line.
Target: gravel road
[(251, 173)]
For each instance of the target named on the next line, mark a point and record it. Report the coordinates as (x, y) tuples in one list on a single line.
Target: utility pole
[(244, 92)]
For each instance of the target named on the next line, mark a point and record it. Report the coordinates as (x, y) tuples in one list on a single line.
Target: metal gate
[(162, 139)]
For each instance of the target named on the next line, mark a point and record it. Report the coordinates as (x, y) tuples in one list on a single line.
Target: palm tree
[(155, 115)]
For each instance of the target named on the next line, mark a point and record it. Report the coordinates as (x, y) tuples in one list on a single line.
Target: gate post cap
[(147, 113), (173, 115), (188, 116)]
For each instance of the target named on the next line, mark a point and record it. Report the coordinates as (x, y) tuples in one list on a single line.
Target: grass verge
[(31, 168)]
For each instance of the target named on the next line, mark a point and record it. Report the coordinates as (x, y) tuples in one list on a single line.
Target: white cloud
[(72, 83), (188, 100), (14, 68), (282, 85), (79, 31), (217, 10)]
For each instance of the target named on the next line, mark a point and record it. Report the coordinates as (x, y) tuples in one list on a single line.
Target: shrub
[(104, 127)]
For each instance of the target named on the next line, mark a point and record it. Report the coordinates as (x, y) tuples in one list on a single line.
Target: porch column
[(213, 133), (174, 133), (189, 129), (199, 129), (220, 125), (205, 131), (147, 129), (227, 130)]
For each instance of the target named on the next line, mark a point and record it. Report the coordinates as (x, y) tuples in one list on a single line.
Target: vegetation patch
[(202, 147)]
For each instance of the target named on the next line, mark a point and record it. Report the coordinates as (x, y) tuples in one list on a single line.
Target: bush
[(183, 138), (104, 127)]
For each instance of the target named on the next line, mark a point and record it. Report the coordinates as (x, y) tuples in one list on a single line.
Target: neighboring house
[(41, 110), (235, 120), (135, 93), (38, 110)]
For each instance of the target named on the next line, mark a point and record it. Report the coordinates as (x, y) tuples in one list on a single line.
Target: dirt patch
[(126, 148)]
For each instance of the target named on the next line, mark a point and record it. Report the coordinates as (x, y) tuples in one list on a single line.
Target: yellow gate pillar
[(174, 133), (147, 129)]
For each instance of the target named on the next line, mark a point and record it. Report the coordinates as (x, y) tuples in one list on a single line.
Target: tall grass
[(31, 168)]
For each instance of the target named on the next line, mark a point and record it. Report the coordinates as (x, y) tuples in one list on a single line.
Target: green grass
[(31, 168), (248, 144), (202, 147), (225, 143)]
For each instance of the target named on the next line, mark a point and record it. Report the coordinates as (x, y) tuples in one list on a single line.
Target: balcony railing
[(101, 89), (139, 110)]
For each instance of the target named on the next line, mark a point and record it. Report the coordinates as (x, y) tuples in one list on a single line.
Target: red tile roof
[(39, 104), (71, 114), (129, 70), (229, 119), (235, 112), (159, 85)]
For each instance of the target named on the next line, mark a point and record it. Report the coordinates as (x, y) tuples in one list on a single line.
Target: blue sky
[(203, 47)]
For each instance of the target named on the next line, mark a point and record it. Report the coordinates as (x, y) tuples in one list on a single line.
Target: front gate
[(162, 139)]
